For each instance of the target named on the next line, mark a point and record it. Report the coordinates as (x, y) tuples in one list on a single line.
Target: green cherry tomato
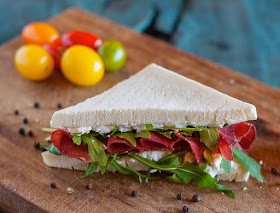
[(113, 55)]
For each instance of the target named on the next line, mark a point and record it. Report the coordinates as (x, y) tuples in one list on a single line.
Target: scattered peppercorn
[(36, 105), (89, 186), (274, 171), (21, 131), (70, 190), (186, 209), (196, 198), (36, 145), (25, 121), (134, 194), (30, 133), (59, 106), (16, 112), (179, 196), (53, 185)]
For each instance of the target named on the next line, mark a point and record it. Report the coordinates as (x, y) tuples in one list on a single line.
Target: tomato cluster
[(81, 56)]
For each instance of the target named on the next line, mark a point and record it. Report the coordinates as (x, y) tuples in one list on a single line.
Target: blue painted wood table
[(241, 34)]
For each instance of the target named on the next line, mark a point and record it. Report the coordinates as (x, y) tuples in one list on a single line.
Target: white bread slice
[(156, 96), (238, 173)]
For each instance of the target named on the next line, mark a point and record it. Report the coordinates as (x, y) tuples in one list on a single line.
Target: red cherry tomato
[(56, 49), (81, 38)]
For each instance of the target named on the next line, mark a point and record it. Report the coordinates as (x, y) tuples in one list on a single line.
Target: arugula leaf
[(166, 134), (210, 137), (169, 167), (96, 149), (152, 176), (49, 130), (143, 134), (169, 158), (126, 170), (129, 136), (202, 179), (187, 173), (115, 129), (209, 155), (92, 168), (77, 139), (52, 149), (248, 163), (110, 158), (149, 127), (174, 178), (226, 164)]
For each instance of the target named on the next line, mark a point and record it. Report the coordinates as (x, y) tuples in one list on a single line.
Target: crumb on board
[(261, 162)]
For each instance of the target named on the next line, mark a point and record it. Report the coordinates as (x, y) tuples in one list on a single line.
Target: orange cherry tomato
[(81, 38), (56, 49), (39, 33)]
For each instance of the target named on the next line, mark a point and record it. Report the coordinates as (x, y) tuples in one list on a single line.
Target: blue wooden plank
[(168, 14), (132, 13), (241, 34), (13, 16)]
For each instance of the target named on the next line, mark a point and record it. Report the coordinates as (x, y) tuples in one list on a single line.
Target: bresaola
[(240, 135)]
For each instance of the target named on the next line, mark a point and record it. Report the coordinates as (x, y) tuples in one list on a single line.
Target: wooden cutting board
[(25, 180)]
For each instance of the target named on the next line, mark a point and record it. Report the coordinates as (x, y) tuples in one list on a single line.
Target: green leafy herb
[(77, 139), (152, 176), (49, 130), (210, 137), (149, 127), (174, 178), (169, 158), (248, 163), (126, 170), (115, 129), (110, 158), (202, 179), (92, 168), (52, 149), (187, 173), (166, 134), (226, 164), (129, 136), (209, 155), (96, 149), (143, 134)]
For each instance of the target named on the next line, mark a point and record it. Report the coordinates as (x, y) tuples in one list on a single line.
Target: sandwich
[(155, 123)]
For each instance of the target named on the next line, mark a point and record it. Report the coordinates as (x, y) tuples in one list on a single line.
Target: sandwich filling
[(189, 151)]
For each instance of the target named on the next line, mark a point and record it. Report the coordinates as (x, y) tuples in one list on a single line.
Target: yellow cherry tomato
[(82, 66), (34, 62)]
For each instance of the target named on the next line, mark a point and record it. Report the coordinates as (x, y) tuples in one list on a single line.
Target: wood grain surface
[(25, 180)]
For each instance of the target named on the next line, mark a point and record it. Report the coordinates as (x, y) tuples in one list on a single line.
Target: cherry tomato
[(79, 37), (56, 49), (82, 65), (113, 55), (33, 62), (39, 33)]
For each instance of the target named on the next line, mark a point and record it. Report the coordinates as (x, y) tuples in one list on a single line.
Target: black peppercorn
[(30, 133), (36, 105), (16, 112), (89, 186), (59, 106), (21, 131), (186, 209), (134, 193), (274, 171), (196, 198), (36, 145), (25, 121), (179, 196), (53, 185)]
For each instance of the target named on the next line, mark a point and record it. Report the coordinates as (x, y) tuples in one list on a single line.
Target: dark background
[(241, 34)]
